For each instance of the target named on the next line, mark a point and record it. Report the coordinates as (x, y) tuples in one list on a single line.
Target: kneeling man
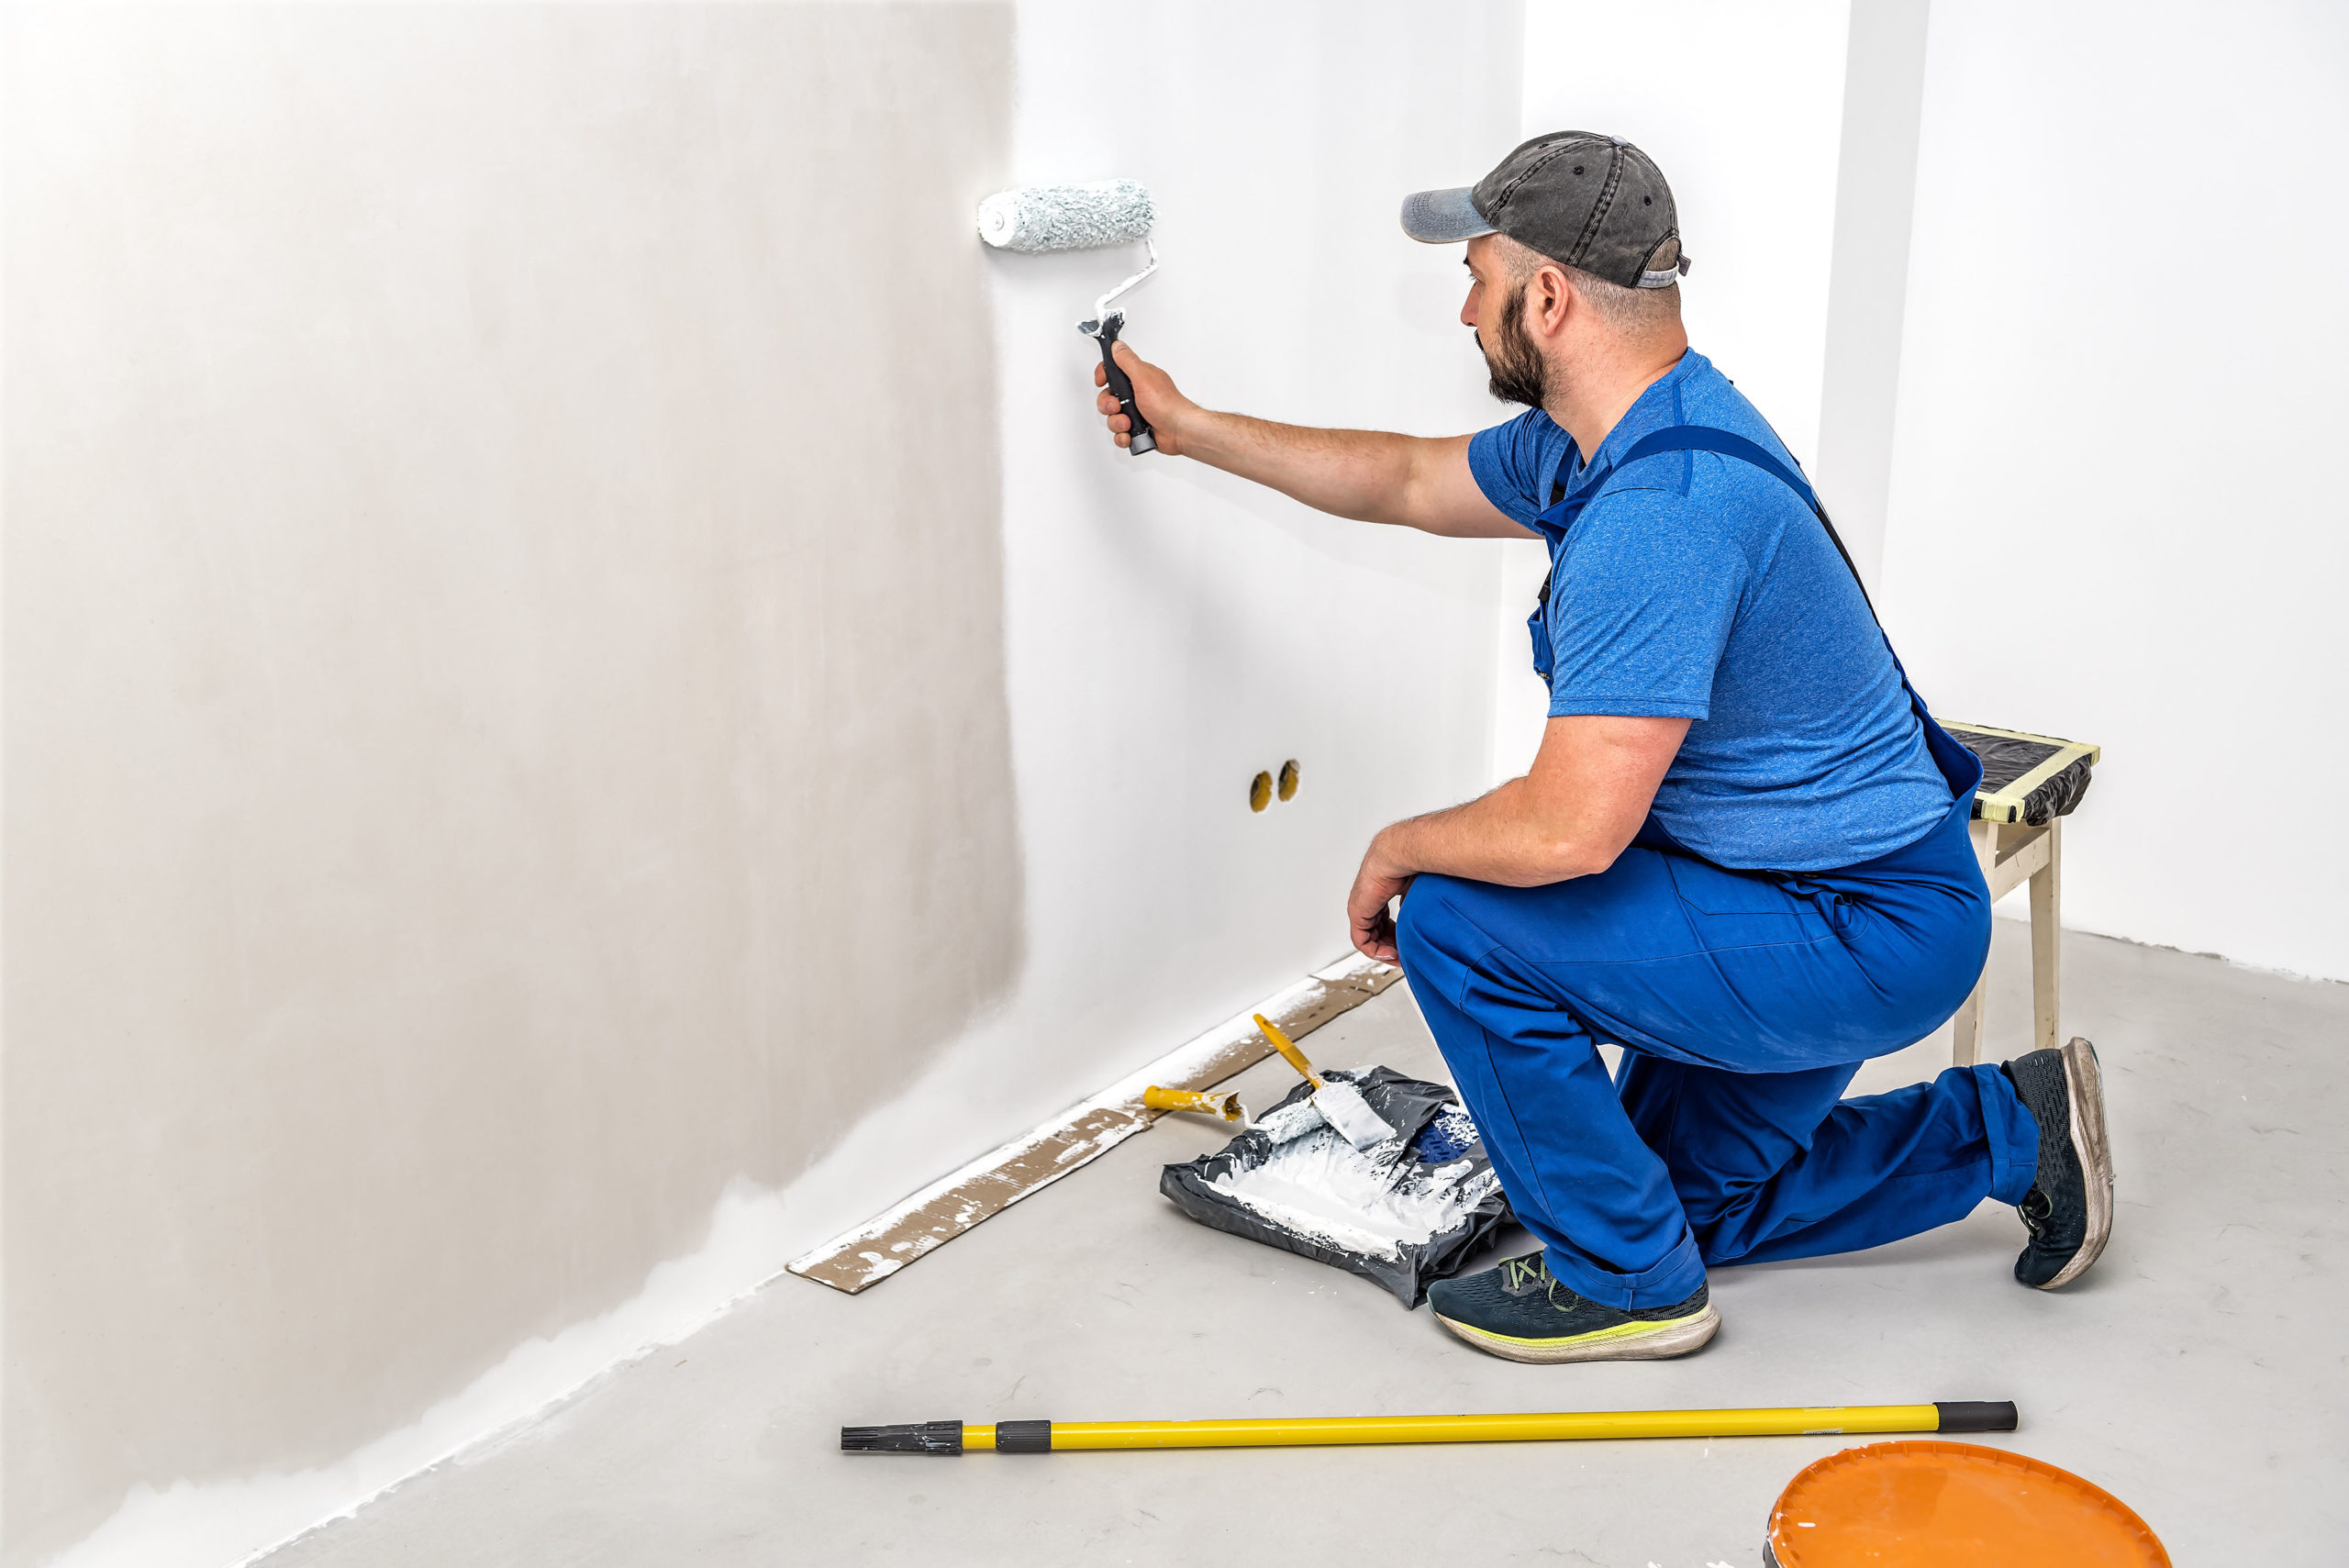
[(1742, 852)]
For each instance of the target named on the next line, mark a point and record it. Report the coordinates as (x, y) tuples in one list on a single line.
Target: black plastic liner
[(1438, 1149), (2057, 795), (2006, 759)]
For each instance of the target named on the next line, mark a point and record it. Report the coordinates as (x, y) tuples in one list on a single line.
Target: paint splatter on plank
[(928, 1219)]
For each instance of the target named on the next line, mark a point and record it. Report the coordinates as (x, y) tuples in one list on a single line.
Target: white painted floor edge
[(754, 1231)]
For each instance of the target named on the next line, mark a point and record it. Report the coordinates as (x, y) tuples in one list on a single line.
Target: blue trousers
[(1744, 1002)]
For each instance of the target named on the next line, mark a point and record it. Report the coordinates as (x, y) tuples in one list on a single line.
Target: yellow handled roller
[(1224, 1103), (1799, 1420)]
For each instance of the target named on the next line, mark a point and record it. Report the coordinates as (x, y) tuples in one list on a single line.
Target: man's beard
[(1511, 361)]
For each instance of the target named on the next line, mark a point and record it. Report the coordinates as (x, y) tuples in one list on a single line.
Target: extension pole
[(1060, 1436)]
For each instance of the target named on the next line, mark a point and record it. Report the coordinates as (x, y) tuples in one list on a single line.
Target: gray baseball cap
[(1595, 203)]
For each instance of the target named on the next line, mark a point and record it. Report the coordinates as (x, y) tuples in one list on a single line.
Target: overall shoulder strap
[(1555, 490)]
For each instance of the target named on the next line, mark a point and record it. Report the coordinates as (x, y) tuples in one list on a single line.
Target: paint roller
[(1033, 219), (1225, 1103)]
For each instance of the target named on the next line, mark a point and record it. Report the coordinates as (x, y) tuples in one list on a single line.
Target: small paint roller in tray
[(1033, 219), (1216, 1103)]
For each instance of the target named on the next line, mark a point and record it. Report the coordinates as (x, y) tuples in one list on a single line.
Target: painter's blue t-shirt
[(1698, 586)]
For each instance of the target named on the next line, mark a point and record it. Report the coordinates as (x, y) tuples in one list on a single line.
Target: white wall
[(493, 696), (1740, 104), (558, 597), (2115, 507), (1174, 630), (1876, 192)]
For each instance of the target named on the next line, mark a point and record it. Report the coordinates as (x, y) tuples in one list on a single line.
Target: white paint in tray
[(1318, 1186)]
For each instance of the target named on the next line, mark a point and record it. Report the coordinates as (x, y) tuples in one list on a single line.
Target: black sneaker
[(2069, 1208), (1520, 1311)]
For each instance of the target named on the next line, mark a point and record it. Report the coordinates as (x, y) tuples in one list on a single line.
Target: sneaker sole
[(1641, 1342), (2083, 1095)]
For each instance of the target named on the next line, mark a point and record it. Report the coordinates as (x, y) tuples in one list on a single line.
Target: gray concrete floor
[(2198, 1372)]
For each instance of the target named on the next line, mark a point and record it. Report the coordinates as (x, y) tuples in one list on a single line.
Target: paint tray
[(1405, 1213)]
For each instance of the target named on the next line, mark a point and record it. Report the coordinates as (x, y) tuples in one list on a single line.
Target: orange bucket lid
[(1938, 1505)]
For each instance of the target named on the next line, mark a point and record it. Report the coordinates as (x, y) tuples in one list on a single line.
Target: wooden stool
[(2030, 784)]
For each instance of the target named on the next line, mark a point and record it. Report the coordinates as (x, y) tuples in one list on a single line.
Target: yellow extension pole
[(1795, 1420), (1487, 1428)]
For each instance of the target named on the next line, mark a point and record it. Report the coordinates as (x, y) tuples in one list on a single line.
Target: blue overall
[(1745, 1001)]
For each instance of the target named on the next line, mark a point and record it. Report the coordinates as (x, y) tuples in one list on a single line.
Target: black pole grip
[(1121, 387), (1975, 1415), (1023, 1437), (918, 1437)]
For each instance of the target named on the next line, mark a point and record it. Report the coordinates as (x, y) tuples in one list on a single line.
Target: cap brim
[(1443, 218)]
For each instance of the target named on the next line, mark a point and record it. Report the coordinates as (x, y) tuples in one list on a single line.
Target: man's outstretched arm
[(1373, 475), (1578, 807)]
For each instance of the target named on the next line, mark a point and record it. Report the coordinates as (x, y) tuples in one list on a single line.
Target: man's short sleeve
[(1512, 462), (1641, 604)]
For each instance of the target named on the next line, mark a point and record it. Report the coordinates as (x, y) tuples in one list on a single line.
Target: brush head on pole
[(1067, 218)]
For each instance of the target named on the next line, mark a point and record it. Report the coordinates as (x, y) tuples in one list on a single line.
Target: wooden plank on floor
[(928, 1219)]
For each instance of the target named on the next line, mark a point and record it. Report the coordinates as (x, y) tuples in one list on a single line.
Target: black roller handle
[(1121, 387)]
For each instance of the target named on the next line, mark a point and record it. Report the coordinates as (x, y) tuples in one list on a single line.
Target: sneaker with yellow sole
[(1522, 1311)]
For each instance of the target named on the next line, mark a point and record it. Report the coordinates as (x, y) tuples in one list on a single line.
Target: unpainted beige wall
[(504, 725)]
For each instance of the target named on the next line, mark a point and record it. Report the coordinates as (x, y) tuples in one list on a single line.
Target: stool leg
[(1966, 1029), (2048, 941), (1966, 1044)]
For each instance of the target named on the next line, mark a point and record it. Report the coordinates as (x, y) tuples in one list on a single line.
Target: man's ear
[(1550, 301)]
